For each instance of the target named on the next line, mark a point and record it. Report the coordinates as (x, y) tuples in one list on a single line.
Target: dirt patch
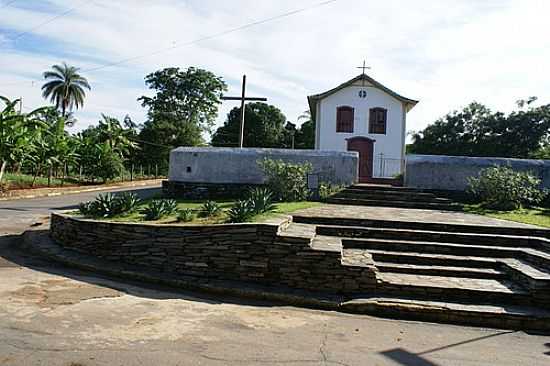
[(56, 292)]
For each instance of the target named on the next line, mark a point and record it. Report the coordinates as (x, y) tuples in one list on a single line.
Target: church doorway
[(365, 147)]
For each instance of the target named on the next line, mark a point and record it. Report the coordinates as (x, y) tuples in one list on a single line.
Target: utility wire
[(7, 4), (212, 36), (48, 21)]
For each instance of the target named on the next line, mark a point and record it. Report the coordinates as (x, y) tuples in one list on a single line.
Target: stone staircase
[(391, 196), (479, 275)]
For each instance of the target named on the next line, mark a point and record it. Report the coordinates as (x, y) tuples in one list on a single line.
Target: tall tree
[(478, 131), (185, 105), (305, 135), (264, 126), (65, 87)]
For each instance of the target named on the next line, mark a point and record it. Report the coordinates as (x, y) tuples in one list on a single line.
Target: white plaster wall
[(391, 144)]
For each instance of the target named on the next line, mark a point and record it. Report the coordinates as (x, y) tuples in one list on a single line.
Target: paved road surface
[(50, 315)]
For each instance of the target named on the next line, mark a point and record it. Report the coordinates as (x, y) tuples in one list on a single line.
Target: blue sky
[(445, 53)]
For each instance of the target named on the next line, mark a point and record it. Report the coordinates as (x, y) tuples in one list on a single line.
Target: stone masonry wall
[(247, 252)]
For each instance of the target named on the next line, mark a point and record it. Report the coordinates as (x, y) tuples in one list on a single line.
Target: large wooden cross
[(243, 98)]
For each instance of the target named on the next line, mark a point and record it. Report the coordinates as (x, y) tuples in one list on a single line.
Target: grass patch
[(534, 216), (24, 181), (281, 208)]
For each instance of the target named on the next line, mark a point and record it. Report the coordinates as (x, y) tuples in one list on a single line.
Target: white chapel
[(365, 116)]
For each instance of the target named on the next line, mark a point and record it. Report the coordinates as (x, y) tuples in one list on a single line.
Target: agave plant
[(211, 208), (128, 202), (157, 209), (185, 215), (261, 200), (241, 211)]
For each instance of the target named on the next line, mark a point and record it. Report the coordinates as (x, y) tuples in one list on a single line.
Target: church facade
[(365, 116)]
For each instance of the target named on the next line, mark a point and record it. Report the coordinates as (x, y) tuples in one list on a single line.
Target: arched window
[(377, 120), (344, 119)]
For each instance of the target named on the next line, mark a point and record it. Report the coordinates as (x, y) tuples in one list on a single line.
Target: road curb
[(68, 191), (39, 243)]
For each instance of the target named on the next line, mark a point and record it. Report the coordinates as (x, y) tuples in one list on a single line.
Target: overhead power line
[(7, 4), (48, 21), (212, 36), (198, 40)]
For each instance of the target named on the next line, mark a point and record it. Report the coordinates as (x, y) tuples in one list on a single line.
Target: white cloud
[(443, 53)]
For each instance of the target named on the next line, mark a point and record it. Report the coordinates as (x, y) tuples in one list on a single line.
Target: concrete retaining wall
[(239, 166), (249, 252), (452, 172)]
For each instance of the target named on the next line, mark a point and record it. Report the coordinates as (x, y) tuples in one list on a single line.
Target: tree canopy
[(264, 126), (65, 87), (478, 131), (185, 105)]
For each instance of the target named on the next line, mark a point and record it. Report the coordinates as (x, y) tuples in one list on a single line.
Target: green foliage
[(65, 87), (241, 211), (264, 126), (157, 209), (128, 202), (326, 190), (210, 209), (261, 200), (185, 215), (287, 181), (305, 135), (185, 105), (109, 205), (502, 188), (478, 131)]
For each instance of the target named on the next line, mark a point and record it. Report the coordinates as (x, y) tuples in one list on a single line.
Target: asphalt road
[(51, 315)]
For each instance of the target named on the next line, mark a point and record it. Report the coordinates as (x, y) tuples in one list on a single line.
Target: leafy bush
[(241, 211), (109, 205), (211, 208), (326, 190), (157, 209), (185, 215), (502, 188), (261, 200), (287, 181), (128, 202)]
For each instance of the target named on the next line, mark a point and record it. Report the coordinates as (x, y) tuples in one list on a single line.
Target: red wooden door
[(365, 147)]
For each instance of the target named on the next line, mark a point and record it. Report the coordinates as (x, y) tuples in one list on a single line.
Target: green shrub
[(211, 208), (287, 181), (157, 209), (326, 190), (185, 215), (241, 211), (261, 200), (109, 205), (128, 202), (502, 188)]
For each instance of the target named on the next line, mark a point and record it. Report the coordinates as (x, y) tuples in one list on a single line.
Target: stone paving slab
[(475, 284), (409, 214)]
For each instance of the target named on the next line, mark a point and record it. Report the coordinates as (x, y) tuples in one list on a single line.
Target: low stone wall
[(240, 166), (199, 191), (249, 252), (451, 173)]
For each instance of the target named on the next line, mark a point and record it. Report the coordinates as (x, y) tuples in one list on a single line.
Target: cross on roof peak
[(364, 67)]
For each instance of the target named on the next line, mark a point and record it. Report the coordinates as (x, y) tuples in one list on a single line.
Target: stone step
[(388, 256), (425, 235), (391, 197), (444, 271), (386, 188), (462, 290), (405, 196), (394, 203), (432, 247), (490, 315), (530, 275), (427, 226)]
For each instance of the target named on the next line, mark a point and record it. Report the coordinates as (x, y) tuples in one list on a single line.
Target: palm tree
[(65, 87)]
